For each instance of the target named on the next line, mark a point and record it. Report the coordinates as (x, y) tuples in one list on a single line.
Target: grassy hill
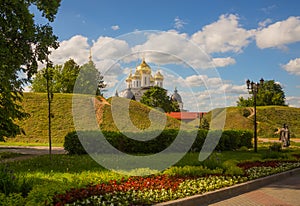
[(36, 126), (269, 118), (138, 114)]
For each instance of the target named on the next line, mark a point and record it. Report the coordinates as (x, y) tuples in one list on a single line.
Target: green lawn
[(44, 177)]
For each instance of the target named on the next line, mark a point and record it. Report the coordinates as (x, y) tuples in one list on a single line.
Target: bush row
[(143, 143)]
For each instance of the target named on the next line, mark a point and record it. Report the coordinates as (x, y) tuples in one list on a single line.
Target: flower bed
[(160, 188)]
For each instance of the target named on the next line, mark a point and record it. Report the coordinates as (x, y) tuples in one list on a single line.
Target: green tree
[(68, 76), (22, 45), (90, 80), (63, 78), (204, 124), (269, 93), (157, 97)]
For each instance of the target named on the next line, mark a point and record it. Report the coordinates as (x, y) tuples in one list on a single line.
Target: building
[(187, 116), (143, 79)]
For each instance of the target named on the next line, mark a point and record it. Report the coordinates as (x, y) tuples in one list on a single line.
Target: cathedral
[(143, 79)]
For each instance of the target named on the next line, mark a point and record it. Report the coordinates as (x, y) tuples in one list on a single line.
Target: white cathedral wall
[(145, 80)]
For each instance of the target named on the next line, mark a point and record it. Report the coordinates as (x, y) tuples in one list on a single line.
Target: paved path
[(276, 140), (36, 150), (29, 152), (284, 192)]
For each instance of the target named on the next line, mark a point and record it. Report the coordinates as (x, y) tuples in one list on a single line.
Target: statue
[(285, 135)]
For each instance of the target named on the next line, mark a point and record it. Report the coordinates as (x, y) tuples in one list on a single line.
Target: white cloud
[(269, 9), (173, 47), (279, 34), (293, 66), (264, 23), (178, 23), (222, 62), (223, 35), (76, 48), (293, 101), (196, 80), (115, 27), (235, 89), (109, 48)]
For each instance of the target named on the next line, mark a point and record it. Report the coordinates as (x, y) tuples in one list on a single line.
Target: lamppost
[(253, 88)]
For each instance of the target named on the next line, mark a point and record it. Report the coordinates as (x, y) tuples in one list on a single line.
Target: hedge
[(230, 140)]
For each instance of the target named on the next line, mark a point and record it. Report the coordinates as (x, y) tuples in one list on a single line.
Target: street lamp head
[(248, 83)]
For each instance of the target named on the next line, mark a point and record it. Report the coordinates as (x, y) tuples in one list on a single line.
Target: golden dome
[(144, 68), (136, 75), (129, 78), (152, 79), (158, 76)]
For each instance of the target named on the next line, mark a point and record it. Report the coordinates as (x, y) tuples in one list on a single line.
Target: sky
[(205, 49)]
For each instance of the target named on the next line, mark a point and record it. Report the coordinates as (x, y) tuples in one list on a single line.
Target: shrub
[(275, 147), (11, 183), (213, 161), (72, 144), (230, 140), (13, 199), (274, 155), (231, 168), (192, 171), (246, 112), (243, 148)]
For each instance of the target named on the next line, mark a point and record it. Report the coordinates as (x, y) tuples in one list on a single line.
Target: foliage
[(64, 77), (72, 144), (204, 124), (161, 182), (13, 199), (192, 171), (268, 168), (269, 93), (89, 80), (11, 183), (246, 112), (81, 175), (23, 44), (140, 190), (157, 97), (230, 140), (275, 147)]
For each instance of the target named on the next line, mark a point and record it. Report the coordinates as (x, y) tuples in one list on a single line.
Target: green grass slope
[(138, 114), (269, 119), (36, 126)]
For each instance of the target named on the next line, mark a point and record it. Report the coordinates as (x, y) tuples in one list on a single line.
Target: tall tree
[(269, 93), (22, 45), (90, 80), (157, 97), (63, 78)]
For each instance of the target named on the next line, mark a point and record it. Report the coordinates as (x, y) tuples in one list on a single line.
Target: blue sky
[(235, 40)]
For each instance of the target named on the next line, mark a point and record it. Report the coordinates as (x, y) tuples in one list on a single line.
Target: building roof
[(158, 76), (127, 94), (186, 115), (144, 68), (176, 97)]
